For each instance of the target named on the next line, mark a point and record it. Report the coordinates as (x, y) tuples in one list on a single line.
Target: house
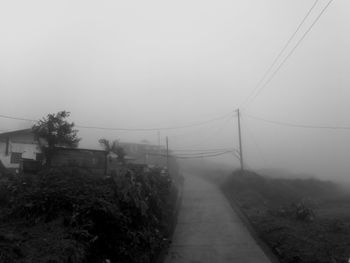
[(21, 150), (93, 160), (144, 153), (19, 145), (133, 149)]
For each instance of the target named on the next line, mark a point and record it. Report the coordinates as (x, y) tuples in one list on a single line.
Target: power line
[(216, 132), (297, 125), (282, 51), (290, 53), (202, 153), (131, 129), (16, 118), (194, 156), (186, 134), (200, 150), (203, 156), (258, 148), (154, 129)]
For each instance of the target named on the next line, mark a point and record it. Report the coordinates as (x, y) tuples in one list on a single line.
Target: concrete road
[(209, 230)]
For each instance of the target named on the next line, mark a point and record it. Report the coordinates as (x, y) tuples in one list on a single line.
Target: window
[(16, 157)]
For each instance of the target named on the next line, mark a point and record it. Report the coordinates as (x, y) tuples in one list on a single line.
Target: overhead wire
[(299, 125), (16, 118), (133, 129), (282, 51), (203, 155), (216, 132), (200, 150), (257, 146), (155, 129), (260, 88), (186, 134)]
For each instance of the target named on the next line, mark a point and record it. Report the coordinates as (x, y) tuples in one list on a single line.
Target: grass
[(301, 220)]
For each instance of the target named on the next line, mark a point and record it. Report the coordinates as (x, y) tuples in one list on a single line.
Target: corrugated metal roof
[(16, 132)]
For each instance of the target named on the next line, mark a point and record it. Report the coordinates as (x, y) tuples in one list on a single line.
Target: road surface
[(208, 230)]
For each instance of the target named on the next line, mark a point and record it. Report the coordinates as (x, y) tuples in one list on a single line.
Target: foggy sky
[(168, 63)]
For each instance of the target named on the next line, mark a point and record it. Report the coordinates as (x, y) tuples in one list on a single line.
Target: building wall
[(95, 161), (137, 148), (21, 143), (145, 153)]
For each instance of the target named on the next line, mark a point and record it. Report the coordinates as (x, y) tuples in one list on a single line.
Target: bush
[(280, 191), (120, 218), (299, 211)]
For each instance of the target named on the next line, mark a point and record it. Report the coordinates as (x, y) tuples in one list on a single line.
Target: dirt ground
[(304, 221)]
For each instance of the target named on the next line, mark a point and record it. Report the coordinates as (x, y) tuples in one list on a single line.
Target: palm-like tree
[(113, 147), (107, 146)]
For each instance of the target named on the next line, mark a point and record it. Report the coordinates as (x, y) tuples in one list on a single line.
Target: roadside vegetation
[(301, 220), (65, 215), (72, 215)]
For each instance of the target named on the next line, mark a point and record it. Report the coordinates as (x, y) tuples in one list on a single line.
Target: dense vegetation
[(54, 130), (64, 215), (301, 220)]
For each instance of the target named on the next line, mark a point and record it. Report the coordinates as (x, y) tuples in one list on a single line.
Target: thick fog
[(156, 64)]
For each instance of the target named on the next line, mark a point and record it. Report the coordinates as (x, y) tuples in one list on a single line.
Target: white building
[(18, 145)]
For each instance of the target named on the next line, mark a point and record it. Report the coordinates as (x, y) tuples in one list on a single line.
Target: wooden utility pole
[(158, 159), (145, 159), (159, 152), (167, 153), (240, 140)]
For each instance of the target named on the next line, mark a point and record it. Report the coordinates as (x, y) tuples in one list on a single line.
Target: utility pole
[(145, 157), (167, 153), (240, 140), (159, 152), (158, 158)]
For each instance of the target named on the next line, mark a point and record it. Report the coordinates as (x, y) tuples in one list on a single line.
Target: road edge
[(265, 248)]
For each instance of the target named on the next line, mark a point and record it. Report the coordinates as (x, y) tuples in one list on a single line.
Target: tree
[(55, 130), (113, 147)]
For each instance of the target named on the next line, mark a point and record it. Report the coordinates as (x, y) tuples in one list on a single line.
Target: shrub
[(121, 218)]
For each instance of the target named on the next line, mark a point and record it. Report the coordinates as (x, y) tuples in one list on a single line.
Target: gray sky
[(168, 63)]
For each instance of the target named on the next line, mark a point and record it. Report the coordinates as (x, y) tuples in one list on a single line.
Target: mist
[(159, 64)]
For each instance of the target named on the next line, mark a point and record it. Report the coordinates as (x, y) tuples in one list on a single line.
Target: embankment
[(300, 220)]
